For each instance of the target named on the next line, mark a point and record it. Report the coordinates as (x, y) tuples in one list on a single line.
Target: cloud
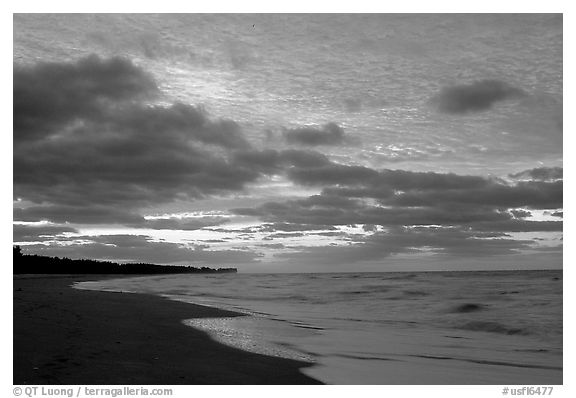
[(272, 245), (186, 224), (327, 210), (270, 161), (34, 233), (181, 121), (333, 174), (406, 180), (93, 144), (520, 213), (329, 134), (240, 54), (50, 95), (532, 194), (426, 213), (411, 189), (104, 152), (360, 195), (519, 226), (380, 182), (77, 214), (417, 189), (87, 142), (139, 248), (352, 105), (475, 97), (453, 242), (107, 215), (288, 227), (540, 174), (283, 235)]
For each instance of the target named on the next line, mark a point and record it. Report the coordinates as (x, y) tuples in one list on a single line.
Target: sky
[(290, 143)]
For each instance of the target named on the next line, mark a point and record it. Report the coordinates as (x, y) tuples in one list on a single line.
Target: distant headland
[(35, 264)]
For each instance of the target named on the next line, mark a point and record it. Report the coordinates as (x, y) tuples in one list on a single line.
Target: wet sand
[(69, 336)]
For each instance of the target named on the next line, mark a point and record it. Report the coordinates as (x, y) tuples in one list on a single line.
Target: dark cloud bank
[(540, 174), (85, 136), (445, 214), (90, 147)]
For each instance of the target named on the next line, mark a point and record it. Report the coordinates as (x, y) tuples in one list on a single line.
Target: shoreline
[(490, 351), (64, 335)]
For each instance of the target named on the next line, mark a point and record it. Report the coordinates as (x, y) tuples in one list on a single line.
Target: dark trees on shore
[(34, 264)]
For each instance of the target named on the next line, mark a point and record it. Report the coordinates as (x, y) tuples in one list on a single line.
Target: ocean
[(485, 327)]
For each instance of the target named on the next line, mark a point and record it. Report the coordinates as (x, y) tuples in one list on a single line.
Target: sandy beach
[(68, 336)]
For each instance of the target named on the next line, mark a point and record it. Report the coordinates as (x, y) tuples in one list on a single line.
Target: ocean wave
[(415, 293), (487, 362), (492, 327), (364, 357), (469, 307)]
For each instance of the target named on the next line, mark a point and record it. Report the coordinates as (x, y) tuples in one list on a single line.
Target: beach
[(69, 336), (500, 327)]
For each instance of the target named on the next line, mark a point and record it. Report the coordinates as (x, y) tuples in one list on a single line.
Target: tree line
[(35, 264)]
